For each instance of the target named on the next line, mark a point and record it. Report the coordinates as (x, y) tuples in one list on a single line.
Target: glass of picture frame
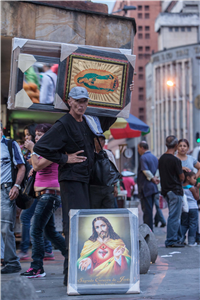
[(103, 252)]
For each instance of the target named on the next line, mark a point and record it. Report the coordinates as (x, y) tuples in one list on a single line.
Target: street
[(175, 275)]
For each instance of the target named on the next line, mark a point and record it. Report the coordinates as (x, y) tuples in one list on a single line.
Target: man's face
[(140, 150), (78, 107), (101, 228), (1, 133)]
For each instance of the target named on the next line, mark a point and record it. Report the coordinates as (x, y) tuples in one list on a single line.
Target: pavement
[(174, 275)]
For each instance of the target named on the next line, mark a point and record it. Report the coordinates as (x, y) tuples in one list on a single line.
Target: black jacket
[(68, 135)]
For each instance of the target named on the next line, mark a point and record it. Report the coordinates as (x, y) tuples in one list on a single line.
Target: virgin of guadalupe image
[(104, 254)]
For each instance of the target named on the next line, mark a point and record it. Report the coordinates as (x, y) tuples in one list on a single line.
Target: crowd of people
[(62, 156)]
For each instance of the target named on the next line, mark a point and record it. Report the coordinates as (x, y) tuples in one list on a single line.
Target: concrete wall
[(27, 20), (168, 39)]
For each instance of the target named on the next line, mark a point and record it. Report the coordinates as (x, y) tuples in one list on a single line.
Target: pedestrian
[(103, 196), (171, 177), (47, 191), (188, 163), (129, 186), (27, 214), (70, 143), (189, 220), (48, 86), (147, 181), (9, 192)]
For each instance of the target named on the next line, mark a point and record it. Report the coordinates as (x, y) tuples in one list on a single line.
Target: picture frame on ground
[(103, 252), (106, 73)]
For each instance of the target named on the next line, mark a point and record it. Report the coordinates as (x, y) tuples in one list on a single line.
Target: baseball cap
[(79, 92)]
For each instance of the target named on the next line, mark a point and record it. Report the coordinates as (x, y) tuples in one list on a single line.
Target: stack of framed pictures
[(105, 72), (103, 252)]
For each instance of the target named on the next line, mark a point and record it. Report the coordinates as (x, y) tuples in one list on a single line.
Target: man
[(103, 196), (171, 176), (104, 253), (70, 143), (147, 181), (9, 192), (48, 86)]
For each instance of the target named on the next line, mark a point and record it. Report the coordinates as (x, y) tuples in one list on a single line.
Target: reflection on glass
[(40, 82)]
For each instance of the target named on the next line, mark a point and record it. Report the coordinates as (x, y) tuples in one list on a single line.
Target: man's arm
[(14, 192), (51, 144), (179, 169)]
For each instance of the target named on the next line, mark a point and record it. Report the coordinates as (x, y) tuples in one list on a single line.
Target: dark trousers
[(43, 220), (189, 222), (102, 196), (74, 195), (147, 208)]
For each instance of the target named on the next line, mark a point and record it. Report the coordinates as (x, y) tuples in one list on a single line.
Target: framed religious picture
[(103, 252), (42, 74)]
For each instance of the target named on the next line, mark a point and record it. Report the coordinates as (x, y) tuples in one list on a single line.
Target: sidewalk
[(175, 275)]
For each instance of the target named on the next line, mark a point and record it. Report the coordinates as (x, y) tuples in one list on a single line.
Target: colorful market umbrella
[(127, 128)]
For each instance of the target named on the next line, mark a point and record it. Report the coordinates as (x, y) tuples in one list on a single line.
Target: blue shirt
[(147, 162), (18, 159)]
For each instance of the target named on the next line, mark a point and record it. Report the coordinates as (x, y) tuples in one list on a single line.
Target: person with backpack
[(10, 187)]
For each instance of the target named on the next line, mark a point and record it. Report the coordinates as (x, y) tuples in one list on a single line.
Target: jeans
[(25, 218), (2, 247), (159, 215), (189, 221), (8, 217), (173, 223), (147, 208), (43, 220)]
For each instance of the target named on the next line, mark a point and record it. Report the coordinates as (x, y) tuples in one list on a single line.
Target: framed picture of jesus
[(104, 252)]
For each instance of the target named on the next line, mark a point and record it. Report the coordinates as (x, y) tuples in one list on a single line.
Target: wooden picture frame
[(103, 260), (105, 72)]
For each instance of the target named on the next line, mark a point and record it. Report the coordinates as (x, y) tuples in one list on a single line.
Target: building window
[(176, 29), (147, 48), (146, 16), (141, 97), (140, 48), (140, 35), (141, 118), (189, 29), (140, 69), (140, 56), (139, 7), (140, 28), (147, 56), (147, 36), (140, 76), (141, 89), (170, 29), (139, 16), (146, 7), (147, 28), (141, 109), (182, 28)]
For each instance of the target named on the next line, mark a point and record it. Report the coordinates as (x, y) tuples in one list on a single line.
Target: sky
[(110, 4)]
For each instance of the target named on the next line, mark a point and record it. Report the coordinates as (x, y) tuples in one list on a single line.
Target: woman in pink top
[(47, 191)]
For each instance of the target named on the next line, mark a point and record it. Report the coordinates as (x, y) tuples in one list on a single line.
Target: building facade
[(173, 109), (145, 42)]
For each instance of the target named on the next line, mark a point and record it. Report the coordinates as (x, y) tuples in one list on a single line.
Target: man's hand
[(83, 265), (118, 252), (132, 86), (155, 180), (186, 169), (14, 192), (115, 191), (74, 158), (29, 145)]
